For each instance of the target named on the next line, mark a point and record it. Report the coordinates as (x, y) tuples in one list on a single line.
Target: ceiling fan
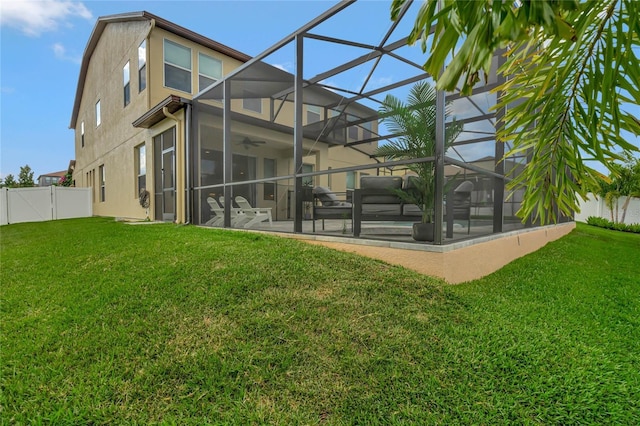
[(246, 142)]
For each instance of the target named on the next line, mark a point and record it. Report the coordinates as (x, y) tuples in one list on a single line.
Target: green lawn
[(104, 322)]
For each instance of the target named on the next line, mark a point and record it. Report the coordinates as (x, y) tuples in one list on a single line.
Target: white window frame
[(141, 159), (164, 63), (126, 83), (98, 114), (244, 106), (315, 110), (142, 66), (200, 74), (103, 179)]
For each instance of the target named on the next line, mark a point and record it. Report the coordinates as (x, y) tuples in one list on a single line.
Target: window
[(177, 66), (141, 168), (142, 66), (353, 128), (313, 114), (307, 181), (126, 80), (209, 70), (366, 132), (351, 180), (98, 119), (82, 134), (251, 102), (269, 171), (102, 180), (353, 132)]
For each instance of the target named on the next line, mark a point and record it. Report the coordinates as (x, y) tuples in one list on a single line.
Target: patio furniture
[(253, 214), (460, 203), (376, 200), (238, 217), (218, 213), (327, 205)]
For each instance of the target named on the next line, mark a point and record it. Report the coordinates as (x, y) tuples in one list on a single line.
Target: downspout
[(147, 40), (167, 114), (187, 156)]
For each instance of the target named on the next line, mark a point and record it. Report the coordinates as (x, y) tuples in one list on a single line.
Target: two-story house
[(133, 126)]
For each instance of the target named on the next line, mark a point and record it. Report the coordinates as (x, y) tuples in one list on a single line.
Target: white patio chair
[(218, 213), (255, 214), (238, 217)]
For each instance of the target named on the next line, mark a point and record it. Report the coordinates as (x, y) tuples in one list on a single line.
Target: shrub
[(606, 223)]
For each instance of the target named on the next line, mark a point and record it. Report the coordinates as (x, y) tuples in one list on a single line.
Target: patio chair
[(238, 217), (254, 214), (461, 203), (218, 213), (330, 206)]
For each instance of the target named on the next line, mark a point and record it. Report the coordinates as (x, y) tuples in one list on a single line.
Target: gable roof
[(159, 22), (53, 174)]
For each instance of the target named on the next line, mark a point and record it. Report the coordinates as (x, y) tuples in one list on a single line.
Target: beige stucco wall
[(112, 142), (156, 64), (460, 262)]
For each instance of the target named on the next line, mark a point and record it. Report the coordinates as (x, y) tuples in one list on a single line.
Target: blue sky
[(41, 45), (42, 42)]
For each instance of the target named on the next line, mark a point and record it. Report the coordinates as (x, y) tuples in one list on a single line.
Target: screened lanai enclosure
[(288, 142)]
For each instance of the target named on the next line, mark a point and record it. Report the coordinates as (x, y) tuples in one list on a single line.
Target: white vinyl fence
[(44, 203), (595, 206)]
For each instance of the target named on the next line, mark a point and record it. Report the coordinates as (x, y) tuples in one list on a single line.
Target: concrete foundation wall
[(455, 263)]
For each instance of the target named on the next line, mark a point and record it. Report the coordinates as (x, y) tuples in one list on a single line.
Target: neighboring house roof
[(54, 174), (103, 21)]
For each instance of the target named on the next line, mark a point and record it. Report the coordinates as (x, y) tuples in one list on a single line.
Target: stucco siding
[(111, 143), (156, 64)]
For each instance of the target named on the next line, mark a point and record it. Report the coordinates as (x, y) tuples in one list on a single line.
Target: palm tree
[(415, 122), (571, 72)]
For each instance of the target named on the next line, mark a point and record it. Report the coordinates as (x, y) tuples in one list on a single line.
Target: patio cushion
[(385, 185), (326, 197), (381, 209), (411, 210)]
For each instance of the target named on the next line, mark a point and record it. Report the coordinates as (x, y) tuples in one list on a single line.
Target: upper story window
[(313, 114), (366, 130), (142, 66), (251, 102), (82, 133), (209, 71), (177, 66), (98, 118), (353, 129), (126, 81)]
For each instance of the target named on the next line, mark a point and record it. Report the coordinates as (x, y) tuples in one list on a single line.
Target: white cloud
[(61, 53), (35, 17), (287, 66), (377, 82)]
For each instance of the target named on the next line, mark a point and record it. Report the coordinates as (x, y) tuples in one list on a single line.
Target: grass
[(103, 322)]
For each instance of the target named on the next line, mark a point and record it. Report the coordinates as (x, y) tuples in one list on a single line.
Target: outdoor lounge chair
[(461, 203), (217, 211), (238, 218), (330, 206), (253, 214)]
